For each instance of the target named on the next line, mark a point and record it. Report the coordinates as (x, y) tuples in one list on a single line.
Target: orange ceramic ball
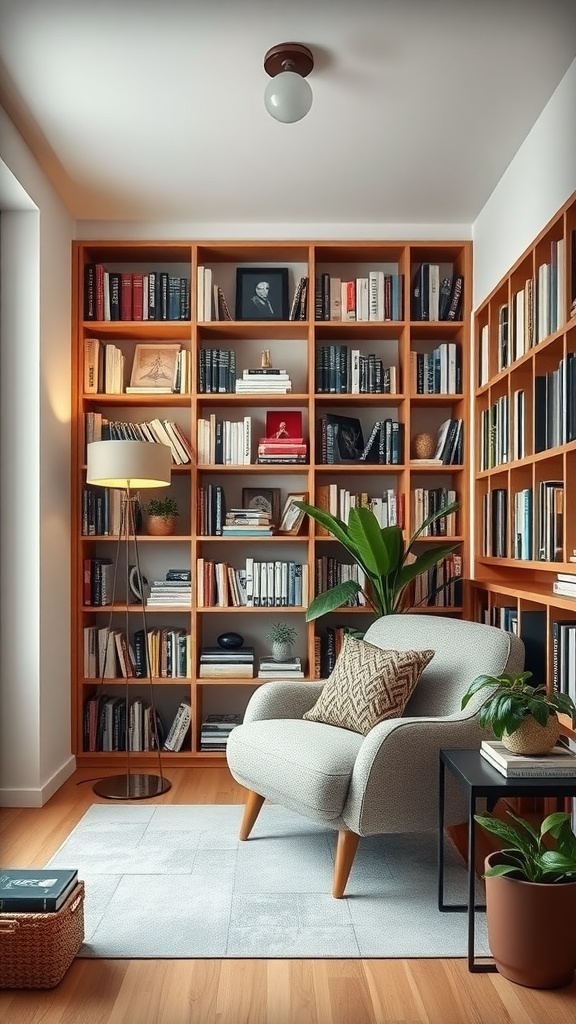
[(423, 446)]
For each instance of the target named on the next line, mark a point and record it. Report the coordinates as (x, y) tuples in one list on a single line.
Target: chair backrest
[(463, 650)]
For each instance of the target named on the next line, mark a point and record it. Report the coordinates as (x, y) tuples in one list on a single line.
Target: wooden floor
[(250, 991)]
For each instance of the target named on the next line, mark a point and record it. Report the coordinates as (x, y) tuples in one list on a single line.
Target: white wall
[(35, 470), (541, 177)]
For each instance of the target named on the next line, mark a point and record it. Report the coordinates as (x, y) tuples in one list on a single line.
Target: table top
[(477, 776)]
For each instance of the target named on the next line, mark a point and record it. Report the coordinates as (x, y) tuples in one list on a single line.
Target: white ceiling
[(152, 110)]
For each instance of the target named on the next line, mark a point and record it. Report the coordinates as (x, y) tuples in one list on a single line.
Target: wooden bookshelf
[(293, 344), (523, 446)]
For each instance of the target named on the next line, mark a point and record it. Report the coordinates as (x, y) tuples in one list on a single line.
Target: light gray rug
[(173, 881)]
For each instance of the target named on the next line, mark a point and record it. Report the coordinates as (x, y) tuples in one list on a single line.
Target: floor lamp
[(130, 466)]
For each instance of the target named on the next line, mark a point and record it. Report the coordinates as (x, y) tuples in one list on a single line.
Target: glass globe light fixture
[(288, 96)]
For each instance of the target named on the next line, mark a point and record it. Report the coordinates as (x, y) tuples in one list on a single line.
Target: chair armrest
[(282, 699), (394, 784)]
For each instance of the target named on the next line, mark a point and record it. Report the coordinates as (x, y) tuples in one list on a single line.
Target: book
[(559, 761), (35, 891), (179, 728)]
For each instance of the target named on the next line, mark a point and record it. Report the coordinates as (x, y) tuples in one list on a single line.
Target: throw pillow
[(367, 685)]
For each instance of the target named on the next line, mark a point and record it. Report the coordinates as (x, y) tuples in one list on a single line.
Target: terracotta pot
[(161, 526), (531, 928), (532, 738)]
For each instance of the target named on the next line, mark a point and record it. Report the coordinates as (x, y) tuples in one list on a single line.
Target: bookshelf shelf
[(293, 344)]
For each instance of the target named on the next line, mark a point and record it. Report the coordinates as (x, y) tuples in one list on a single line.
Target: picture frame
[(292, 517), (262, 293), (154, 368), (266, 499)]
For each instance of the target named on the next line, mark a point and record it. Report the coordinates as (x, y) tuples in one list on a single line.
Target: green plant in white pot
[(282, 638), (523, 716), (389, 565), (531, 899)]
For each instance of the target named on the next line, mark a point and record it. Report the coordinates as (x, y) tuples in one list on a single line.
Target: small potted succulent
[(531, 899), (282, 637), (524, 717), (161, 516)]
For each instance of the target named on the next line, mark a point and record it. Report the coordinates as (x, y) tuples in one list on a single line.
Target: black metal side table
[(480, 781)]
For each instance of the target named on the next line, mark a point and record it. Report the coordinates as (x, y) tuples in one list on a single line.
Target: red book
[(99, 291), (87, 580), (126, 296), (137, 296), (280, 440), (283, 424)]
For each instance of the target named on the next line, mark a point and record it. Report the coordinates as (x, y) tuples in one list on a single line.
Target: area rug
[(174, 881)]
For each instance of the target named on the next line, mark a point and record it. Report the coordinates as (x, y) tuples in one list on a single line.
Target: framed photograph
[(292, 516), (264, 499), (154, 368), (262, 293)]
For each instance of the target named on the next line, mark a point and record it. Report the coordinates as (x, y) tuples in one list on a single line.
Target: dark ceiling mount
[(289, 57)]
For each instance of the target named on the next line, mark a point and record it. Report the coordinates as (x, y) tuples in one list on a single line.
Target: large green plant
[(389, 565), (529, 859)]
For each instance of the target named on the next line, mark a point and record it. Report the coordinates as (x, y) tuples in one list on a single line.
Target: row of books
[(388, 507), (428, 500), (342, 441), (440, 586), (555, 405), (157, 295), (436, 298), (330, 571), (216, 371), (271, 584), (341, 370), (102, 512), (156, 369), (538, 637), (224, 442), (157, 431), (112, 722), (375, 297), (536, 534), (438, 372), (110, 654)]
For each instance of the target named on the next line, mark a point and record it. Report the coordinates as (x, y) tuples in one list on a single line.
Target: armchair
[(386, 781)]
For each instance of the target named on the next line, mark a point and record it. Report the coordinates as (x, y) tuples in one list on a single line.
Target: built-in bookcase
[(399, 332), (525, 451)]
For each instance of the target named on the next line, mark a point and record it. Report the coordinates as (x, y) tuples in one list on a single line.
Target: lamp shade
[(288, 97), (133, 464)]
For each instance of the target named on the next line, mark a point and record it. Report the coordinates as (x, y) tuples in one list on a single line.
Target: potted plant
[(388, 564), (531, 899), (523, 716), (282, 637), (162, 515)]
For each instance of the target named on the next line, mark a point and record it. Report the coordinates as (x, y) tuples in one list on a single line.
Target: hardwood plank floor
[(249, 991)]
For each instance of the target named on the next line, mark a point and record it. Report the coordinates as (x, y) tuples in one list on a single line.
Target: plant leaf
[(332, 599), (426, 560), (507, 833), (446, 510), (369, 540)]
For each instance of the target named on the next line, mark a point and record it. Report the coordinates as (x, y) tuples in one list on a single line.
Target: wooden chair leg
[(345, 853), (251, 811)]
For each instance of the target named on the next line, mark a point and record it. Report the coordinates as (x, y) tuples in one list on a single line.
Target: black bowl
[(230, 640)]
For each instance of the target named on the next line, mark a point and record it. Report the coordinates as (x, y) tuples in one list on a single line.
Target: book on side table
[(35, 891), (559, 762)]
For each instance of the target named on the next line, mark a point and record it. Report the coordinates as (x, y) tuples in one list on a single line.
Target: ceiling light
[(288, 97)]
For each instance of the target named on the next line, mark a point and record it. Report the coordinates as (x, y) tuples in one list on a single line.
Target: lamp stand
[(132, 785)]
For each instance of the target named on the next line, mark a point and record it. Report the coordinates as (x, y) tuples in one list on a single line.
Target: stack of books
[(174, 591), (284, 442), (247, 522), (216, 730), (559, 762), (291, 668), (565, 584), (227, 663), (264, 380)]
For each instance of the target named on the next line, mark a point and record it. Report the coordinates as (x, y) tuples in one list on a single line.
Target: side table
[(480, 781)]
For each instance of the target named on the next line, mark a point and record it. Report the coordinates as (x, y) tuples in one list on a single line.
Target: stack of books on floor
[(216, 730), (35, 890), (559, 762), (247, 522), (264, 381), (291, 668), (228, 663), (175, 590)]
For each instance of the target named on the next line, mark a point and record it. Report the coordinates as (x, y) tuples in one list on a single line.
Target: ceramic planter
[(531, 928), (532, 738), (161, 526)]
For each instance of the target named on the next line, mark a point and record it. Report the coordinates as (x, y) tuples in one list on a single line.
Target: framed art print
[(292, 516), (261, 293), (154, 367)]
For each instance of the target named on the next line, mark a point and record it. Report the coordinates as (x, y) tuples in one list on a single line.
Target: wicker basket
[(36, 950)]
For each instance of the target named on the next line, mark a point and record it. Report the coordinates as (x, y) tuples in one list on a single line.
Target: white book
[(207, 293), (558, 757), (200, 294), (433, 291), (523, 772)]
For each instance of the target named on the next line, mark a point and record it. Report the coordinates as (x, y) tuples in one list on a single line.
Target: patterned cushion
[(368, 685)]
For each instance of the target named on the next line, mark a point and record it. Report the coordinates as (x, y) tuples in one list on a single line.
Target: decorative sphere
[(423, 446), (230, 640)]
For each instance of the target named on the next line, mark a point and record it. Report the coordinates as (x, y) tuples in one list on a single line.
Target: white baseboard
[(38, 797)]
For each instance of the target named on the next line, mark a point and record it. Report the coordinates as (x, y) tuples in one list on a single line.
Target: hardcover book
[(35, 891)]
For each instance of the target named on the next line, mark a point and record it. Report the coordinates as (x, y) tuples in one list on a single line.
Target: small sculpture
[(265, 361)]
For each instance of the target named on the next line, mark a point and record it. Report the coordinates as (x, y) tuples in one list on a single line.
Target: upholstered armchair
[(387, 780)]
